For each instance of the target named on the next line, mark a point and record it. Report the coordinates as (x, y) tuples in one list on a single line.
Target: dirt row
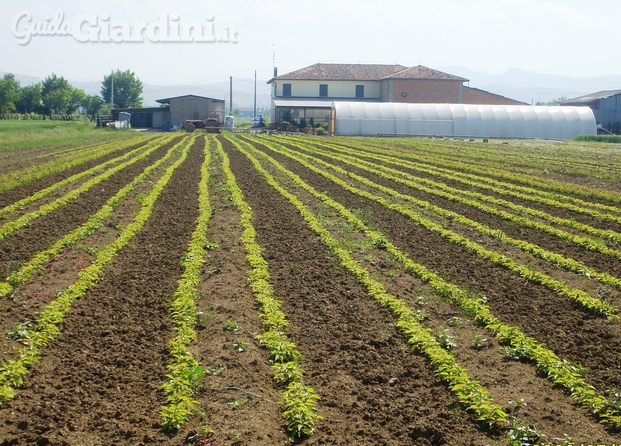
[(373, 390), (516, 386), (99, 381), (540, 313), (24, 243), (23, 191), (598, 261)]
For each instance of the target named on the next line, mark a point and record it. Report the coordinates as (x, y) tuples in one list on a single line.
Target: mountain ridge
[(526, 86)]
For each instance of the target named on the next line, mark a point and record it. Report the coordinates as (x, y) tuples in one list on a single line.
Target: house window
[(323, 90), (359, 91), (286, 89)]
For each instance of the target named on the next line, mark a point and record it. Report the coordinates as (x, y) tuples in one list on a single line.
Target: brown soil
[(99, 382)]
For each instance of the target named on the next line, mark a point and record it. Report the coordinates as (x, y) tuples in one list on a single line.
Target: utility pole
[(255, 93), (112, 91), (231, 96)]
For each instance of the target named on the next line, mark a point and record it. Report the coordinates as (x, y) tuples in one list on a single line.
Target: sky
[(84, 40)]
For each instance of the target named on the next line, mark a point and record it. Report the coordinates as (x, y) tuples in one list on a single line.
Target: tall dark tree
[(127, 89), (77, 98), (94, 105), (56, 95), (29, 99), (9, 93)]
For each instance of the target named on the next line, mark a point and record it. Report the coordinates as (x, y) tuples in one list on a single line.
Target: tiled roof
[(421, 72), (364, 72)]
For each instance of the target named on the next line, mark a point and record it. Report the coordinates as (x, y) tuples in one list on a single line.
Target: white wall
[(336, 89)]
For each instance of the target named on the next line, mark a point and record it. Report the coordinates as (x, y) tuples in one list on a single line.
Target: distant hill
[(525, 86), (243, 91), (532, 87)]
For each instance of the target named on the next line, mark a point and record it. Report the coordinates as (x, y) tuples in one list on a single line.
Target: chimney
[(275, 71)]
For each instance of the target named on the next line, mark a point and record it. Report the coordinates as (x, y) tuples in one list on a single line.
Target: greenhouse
[(461, 120)]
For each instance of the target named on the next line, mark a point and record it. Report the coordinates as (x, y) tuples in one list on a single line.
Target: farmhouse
[(309, 92), (606, 106), (174, 111)]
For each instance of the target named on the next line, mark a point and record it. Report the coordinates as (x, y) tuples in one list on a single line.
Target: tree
[(77, 98), (9, 93), (553, 102), (127, 89), (29, 99), (56, 95), (93, 106)]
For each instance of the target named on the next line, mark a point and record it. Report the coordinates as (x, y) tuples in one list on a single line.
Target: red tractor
[(210, 124)]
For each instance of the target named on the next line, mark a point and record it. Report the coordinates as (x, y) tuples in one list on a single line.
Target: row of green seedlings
[(26, 219), (94, 223), (47, 325), (593, 305), (7, 210), (453, 194), (299, 400), (184, 372), (13, 179), (434, 158), (518, 345), (527, 247), (525, 193), (567, 158), (468, 391), (119, 138)]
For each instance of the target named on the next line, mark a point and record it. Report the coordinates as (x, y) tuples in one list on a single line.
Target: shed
[(606, 106), (460, 120)]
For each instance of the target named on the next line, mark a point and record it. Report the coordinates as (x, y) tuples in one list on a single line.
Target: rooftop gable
[(365, 72), (341, 72), (167, 100), (421, 72)]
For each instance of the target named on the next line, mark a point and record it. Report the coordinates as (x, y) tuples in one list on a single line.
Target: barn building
[(460, 120), (174, 111), (606, 106), (309, 92)]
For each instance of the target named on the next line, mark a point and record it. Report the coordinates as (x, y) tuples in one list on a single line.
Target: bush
[(599, 138), (285, 125)]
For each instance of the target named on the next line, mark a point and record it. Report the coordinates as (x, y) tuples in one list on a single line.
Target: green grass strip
[(593, 305), (94, 222), (468, 391), (27, 219), (527, 247), (13, 179), (47, 325), (184, 372), (559, 371), (299, 400), (48, 190)]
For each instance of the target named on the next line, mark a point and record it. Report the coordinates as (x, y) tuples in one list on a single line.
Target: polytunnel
[(461, 120)]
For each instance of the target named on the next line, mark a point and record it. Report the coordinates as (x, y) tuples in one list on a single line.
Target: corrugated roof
[(592, 97), (364, 72), (167, 100)]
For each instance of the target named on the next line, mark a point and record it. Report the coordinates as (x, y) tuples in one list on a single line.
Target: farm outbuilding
[(174, 111), (606, 106), (460, 120)]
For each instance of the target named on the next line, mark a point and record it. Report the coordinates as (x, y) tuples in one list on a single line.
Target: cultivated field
[(173, 289)]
